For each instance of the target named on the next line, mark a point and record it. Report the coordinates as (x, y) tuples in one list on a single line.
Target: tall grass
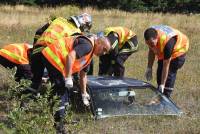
[(18, 24)]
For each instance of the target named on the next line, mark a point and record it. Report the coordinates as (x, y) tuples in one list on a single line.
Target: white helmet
[(83, 21)]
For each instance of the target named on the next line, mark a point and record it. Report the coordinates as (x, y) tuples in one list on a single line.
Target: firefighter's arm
[(165, 70), (83, 81), (69, 64), (151, 58), (168, 50), (39, 32)]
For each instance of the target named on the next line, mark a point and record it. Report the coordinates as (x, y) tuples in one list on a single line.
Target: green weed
[(19, 23)]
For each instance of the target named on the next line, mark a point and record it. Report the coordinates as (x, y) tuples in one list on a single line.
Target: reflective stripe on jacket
[(165, 33), (124, 34), (56, 54), (16, 53), (59, 28)]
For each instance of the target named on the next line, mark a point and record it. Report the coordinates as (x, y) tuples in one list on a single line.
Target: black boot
[(60, 128)]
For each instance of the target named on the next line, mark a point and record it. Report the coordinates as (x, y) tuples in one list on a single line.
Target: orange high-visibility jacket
[(16, 53), (56, 54), (59, 28), (124, 34), (165, 33)]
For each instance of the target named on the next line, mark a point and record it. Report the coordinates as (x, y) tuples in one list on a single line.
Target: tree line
[(176, 6)]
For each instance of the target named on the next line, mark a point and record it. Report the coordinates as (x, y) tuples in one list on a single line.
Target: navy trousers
[(175, 64), (39, 62), (115, 67)]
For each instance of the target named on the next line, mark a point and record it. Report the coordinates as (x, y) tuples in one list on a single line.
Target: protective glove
[(148, 74), (86, 98), (68, 82), (161, 88)]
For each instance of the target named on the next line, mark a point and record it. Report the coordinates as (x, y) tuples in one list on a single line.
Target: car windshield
[(107, 102)]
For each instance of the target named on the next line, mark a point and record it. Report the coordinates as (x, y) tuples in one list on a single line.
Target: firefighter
[(124, 43), (170, 47), (17, 55), (74, 25), (63, 60)]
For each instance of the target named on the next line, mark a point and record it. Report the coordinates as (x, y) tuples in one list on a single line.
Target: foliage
[(19, 23), (32, 114), (27, 114)]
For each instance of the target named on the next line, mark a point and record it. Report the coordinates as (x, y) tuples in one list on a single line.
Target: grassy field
[(19, 23)]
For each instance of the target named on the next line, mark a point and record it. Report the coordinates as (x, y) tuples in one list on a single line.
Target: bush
[(34, 116)]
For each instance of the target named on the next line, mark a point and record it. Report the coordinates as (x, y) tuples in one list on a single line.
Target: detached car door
[(111, 96)]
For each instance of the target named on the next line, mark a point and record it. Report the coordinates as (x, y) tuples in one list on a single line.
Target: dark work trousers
[(104, 64), (23, 70), (115, 67), (91, 68), (120, 59), (119, 68), (39, 62), (175, 64)]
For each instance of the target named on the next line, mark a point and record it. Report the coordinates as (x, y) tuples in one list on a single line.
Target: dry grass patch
[(19, 23)]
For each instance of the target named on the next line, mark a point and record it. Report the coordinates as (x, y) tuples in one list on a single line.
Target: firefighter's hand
[(148, 74), (161, 88), (68, 82)]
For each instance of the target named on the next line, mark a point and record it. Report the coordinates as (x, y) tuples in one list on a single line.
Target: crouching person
[(124, 44), (63, 60), (17, 55), (170, 47)]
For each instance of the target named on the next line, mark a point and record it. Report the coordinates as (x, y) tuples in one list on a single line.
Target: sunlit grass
[(19, 23)]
